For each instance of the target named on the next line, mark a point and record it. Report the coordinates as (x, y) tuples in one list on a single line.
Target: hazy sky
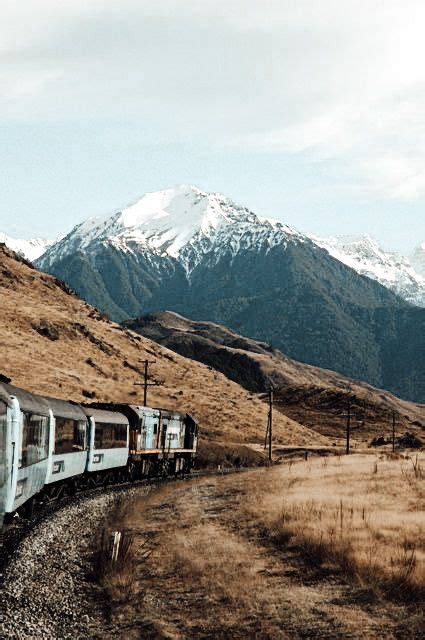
[(311, 111)]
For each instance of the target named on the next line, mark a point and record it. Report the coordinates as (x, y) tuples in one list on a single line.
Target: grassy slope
[(94, 354)]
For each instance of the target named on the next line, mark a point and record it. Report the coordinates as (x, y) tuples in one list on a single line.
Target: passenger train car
[(49, 447)]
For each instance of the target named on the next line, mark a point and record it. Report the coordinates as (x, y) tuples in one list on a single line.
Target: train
[(51, 447)]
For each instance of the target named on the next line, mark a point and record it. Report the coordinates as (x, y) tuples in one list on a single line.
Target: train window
[(70, 435), (35, 439), (80, 438), (110, 436), (155, 428)]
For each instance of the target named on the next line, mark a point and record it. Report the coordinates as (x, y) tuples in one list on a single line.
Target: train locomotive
[(50, 447)]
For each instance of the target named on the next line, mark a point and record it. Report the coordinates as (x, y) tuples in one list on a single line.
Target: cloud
[(331, 80)]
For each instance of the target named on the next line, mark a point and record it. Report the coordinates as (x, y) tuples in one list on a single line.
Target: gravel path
[(48, 592)]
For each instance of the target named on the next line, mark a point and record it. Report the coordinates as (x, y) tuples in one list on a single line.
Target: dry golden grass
[(94, 354), (324, 548), (363, 514)]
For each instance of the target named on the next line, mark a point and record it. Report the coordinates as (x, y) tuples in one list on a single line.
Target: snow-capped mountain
[(204, 256), (29, 249), (183, 223), (186, 223), (390, 269)]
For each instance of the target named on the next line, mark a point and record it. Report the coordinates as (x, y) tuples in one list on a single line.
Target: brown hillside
[(54, 343), (312, 396)]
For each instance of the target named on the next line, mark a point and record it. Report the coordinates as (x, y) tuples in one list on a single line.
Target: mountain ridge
[(310, 395), (158, 222), (363, 254), (30, 249)]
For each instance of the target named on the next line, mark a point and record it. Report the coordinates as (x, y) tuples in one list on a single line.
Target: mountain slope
[(390, 269), (204, 256), (54, 343), (312, 396)]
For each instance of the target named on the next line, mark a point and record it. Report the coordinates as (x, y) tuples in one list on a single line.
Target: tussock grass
[(324, 547), (363, 516), (116, 569)]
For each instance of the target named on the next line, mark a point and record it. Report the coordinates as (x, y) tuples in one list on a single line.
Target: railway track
[(14, 533)]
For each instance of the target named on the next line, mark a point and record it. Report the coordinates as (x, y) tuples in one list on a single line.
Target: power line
[(145, 384)]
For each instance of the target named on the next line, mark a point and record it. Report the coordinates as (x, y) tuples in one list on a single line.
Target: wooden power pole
[(347, 444), (145, 384), (393, 432), (269, 431), (271, 423)]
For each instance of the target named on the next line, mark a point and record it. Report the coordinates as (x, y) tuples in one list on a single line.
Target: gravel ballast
[(48, 590)]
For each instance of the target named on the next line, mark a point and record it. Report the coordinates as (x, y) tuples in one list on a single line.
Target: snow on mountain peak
[(185, 223), (169, 219), (29, 249), (363, 254), (181, 222)]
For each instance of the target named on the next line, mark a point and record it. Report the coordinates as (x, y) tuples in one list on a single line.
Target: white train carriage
[(48, 446), (108, 440), (27, 446), (68, 443)]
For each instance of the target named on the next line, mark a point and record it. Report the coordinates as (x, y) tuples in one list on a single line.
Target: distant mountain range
[(204, 256), (29, 249), (404, 276)]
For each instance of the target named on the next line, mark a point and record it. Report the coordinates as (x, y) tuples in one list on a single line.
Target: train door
[(150, 430), (164, 434)]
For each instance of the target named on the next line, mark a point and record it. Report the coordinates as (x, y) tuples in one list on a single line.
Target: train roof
[(102, 415), (138, 409), (64, 409), (28, 401)]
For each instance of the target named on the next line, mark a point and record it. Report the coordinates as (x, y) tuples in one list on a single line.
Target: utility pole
[(269, 431), (347, 446), (145, 384), (393, 434), (271, 423)]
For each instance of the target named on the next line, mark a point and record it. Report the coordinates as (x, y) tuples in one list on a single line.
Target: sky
[(309, 112)]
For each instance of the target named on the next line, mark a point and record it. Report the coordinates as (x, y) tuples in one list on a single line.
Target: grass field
[(362, 514), (329, 547)]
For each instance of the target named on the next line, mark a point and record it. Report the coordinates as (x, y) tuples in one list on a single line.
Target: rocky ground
[(49, 590)]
